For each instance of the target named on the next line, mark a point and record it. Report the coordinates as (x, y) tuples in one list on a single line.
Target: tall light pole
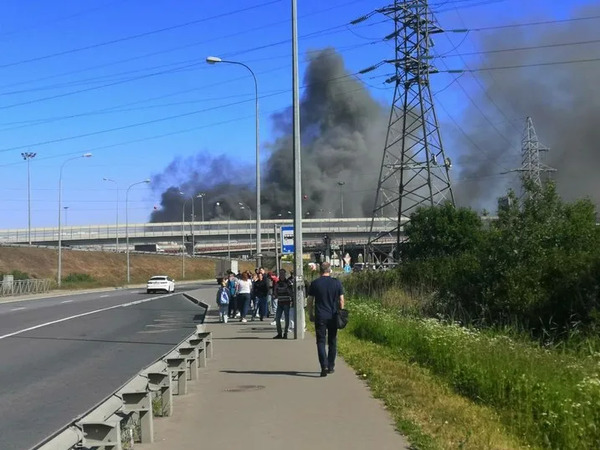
[(228, 233), (117, 219), (298, 268), (183, 238), (127, 224), (59, 271), (28, 156), (201, 196), (341, 185), (216, 60), (243, 206)]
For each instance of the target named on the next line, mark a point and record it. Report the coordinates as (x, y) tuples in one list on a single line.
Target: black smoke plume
[(562, 99), (342, 132)]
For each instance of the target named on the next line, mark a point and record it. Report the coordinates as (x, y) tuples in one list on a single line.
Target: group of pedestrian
[(266, 294), (255, 294)]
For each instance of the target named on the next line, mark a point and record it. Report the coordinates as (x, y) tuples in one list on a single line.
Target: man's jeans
[(282, 308), (326, 329)]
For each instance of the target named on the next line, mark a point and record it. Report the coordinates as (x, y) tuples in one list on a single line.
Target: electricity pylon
[(531, 164), (414, 169)]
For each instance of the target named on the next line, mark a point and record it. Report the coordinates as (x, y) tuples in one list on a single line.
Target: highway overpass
[(212, 237)]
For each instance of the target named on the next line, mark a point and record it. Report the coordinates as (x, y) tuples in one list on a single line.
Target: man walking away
[(282, 292), (325, 299)]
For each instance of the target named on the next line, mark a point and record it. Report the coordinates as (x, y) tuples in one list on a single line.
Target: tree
[(440, 231)]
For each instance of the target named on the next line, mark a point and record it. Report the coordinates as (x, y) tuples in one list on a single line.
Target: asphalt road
[(61, 356)]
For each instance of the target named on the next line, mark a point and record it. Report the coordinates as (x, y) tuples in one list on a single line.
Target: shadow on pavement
[(236, 337), (291, 373)]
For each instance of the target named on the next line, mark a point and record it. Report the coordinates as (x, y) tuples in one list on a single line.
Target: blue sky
[(126, 80)]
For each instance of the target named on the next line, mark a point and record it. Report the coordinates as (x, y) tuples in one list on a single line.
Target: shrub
[(78, 278)]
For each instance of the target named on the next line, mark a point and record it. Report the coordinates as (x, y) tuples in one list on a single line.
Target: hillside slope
[(107, 269)]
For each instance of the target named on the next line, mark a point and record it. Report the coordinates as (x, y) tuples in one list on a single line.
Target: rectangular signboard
[(287, 239)]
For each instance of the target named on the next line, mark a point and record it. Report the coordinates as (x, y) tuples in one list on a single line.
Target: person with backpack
[(232, 287), (223, 301), (283, 293)]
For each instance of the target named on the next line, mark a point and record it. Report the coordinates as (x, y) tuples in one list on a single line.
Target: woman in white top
[(244, 290)]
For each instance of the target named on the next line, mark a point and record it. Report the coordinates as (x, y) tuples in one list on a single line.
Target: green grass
[(546, 398)]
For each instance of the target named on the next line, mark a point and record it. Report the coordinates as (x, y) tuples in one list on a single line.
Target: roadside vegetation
[(493, 322)]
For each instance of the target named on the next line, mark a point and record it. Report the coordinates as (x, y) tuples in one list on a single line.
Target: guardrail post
[(159, 380), (200, 344), (191, 359), (207, 336), (137, 399), (102, 427), (178, 367)]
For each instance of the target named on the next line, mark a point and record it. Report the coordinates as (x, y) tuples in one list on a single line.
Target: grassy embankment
[(103, 269), (451, 387)]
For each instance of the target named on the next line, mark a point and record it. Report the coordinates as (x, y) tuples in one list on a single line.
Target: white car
[(160, 283)]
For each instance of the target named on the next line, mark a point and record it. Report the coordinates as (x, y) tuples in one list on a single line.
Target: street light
[(243, 206), (59, 271), (127, 224), (183, 234), (228, 233), (27, 156), (216, 60), (117, 219), (341, 185), (201, 196)]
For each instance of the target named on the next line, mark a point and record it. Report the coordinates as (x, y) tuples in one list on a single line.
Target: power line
[(139, 35), (173, 49), (148, 122), (533, 24)]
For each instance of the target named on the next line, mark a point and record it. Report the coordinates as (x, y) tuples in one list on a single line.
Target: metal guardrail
[(20, 287), (127, 415)]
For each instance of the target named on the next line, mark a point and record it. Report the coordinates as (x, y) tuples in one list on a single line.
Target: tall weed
[(550, 399)]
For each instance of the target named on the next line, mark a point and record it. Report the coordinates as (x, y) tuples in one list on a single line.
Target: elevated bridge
[(211, 237)]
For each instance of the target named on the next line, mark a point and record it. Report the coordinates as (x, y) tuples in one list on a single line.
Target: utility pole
[(298, 268), (414, 168), (531, 166)]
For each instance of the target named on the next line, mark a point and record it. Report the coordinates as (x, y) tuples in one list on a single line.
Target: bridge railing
[(176, 229)]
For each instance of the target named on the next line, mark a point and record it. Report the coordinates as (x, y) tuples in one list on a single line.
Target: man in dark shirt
[(325, 299), (282, 292)]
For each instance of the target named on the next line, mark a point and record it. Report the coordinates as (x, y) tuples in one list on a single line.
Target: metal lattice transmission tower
[(414, 169), (531, 166)]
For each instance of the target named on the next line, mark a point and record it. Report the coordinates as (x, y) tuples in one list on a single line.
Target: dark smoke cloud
[(563, 100), (342, 129)]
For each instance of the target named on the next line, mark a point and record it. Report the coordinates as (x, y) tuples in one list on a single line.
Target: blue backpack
[(224, 297)]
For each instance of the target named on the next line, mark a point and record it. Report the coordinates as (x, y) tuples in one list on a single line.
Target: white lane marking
[(76, 316), (19, 309), (67, 301), (104, 296)]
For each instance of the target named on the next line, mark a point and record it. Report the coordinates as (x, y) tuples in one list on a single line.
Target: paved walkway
[(263, 393)]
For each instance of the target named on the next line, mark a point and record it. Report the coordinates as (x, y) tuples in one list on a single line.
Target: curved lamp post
[(59, 271), (216, 60), (127, 224)]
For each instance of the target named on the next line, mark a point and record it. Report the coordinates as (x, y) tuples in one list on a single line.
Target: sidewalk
[(262, 393)]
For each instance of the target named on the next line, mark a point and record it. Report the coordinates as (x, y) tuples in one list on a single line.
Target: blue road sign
[(287, 239)]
